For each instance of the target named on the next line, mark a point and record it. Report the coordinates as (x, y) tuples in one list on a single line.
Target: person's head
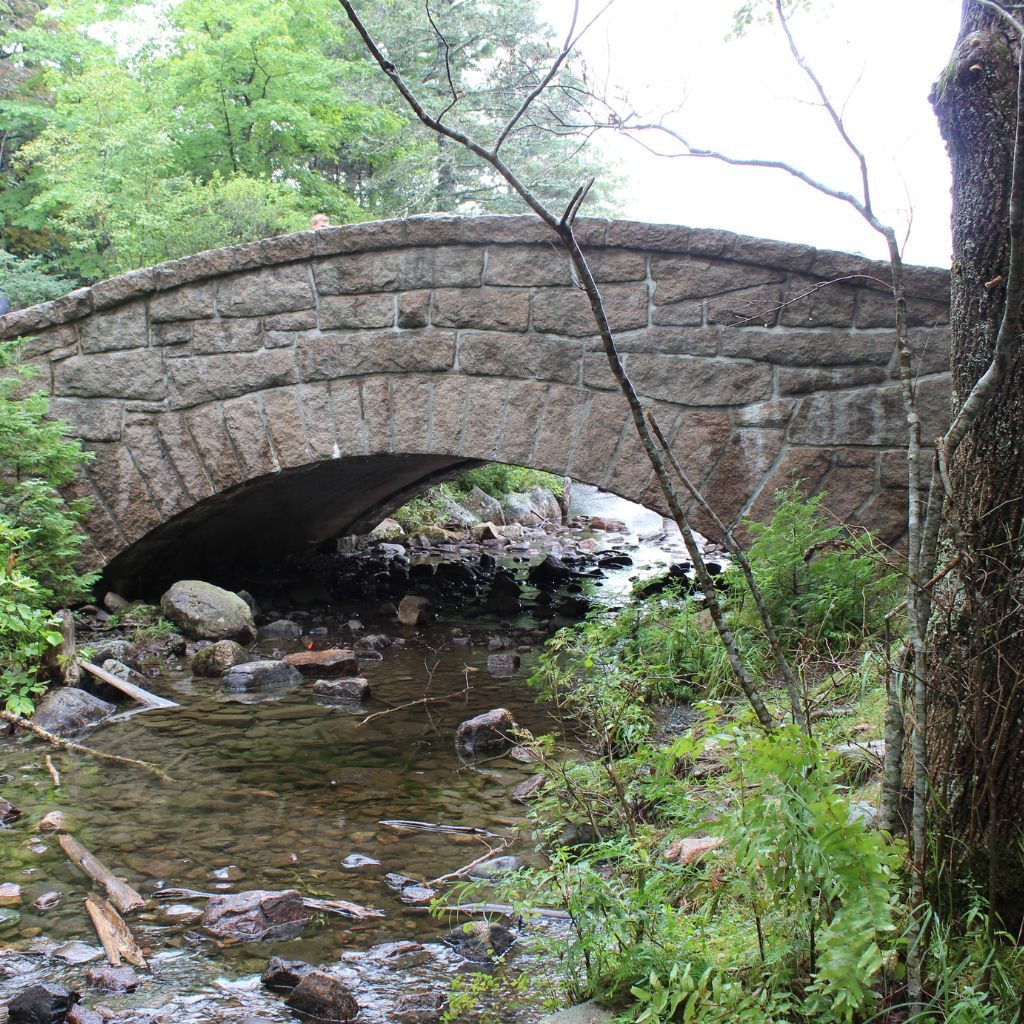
[(318, 221)]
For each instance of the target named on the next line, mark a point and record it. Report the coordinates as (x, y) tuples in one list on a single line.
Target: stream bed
[(277, 791)]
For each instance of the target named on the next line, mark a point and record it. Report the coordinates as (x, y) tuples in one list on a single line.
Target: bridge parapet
[(235, 373)]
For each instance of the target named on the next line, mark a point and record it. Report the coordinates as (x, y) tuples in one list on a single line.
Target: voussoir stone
[(206, 612)]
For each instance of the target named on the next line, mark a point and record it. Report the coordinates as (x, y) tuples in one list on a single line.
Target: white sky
[(745, 97)]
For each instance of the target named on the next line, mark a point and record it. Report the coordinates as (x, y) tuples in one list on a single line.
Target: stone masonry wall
[(763, 362)]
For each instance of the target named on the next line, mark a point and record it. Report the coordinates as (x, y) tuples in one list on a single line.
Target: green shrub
[(497, 480), (39, 537), (25, 282)]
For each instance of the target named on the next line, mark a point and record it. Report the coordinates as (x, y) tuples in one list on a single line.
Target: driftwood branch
[(114, 935), (151, 700), (79, 748), (121, 893)]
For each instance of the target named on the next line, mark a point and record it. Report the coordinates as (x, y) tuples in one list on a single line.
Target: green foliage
[(497, 480), (199, 124), (39, 539), (432, 508), (25, 282), (823, 587)]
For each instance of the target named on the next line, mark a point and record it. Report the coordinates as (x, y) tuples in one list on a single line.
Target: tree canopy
[(135, 134)]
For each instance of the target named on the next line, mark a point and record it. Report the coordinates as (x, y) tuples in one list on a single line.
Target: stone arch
[(293, 388)]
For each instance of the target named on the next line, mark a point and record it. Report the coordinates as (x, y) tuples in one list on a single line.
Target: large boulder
[(484, 507), (320, 996), (68, 710), (550, 573), (489, 733), (283, 974), (260, 675), (413, 610), (256, 914), (279, 629), (205, 612), (534, 507)]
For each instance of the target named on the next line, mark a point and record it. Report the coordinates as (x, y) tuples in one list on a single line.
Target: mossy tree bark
[(976, 649)]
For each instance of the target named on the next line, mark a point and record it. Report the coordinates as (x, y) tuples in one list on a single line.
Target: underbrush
[(716, 873)]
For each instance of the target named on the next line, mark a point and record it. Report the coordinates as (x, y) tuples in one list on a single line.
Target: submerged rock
[(10, 893), (502, 665), (481, 941), (260, 675), (8, 812), (256, 915), (42, 1004), (113, 979), (218, 658), (489, 733), (346, 691), (206, 612), (495, 866), (323, 997), (68, 709)]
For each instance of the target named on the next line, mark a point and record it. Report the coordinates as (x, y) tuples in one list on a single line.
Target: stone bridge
[(276, 394)]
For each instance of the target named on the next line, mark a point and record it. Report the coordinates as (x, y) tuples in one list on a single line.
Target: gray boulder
[(219, 658), (342, 691), (260, 675), (480, 941), (68, 710), (413, 610), (484, 507), (256, 914), (42, 1004), (205, 612), (279, 629)]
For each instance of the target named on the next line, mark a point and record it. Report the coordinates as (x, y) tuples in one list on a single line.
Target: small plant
[(498, 479)]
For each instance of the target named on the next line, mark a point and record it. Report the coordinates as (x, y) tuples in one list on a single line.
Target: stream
[(276, 791)]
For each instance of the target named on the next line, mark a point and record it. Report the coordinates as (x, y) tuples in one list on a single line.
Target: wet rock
[(322, 997), (118, 650), (42, 1004), (284, 975), (345, 691), (76, 952), (358, 860), (256, 915), (551, 572), (52, 821), (337, 661), (584, 1013), (125, 673), (8, 812), (372, 642), (250, 601), (228, 873), (399, 955), (10, 894), (396, 881), (485, 532), (67, 710), (205, 612), (615, 561), (419, 1007), (607, 525), (113, 979), (414, 610), (495, 866), (573, 607), (502, 665), (498, 643), (387, 529), (417, 893), (480, 941), (260, 675), (218, 658), (489, 733), (47, 901), (528, 788), (80, 1015), (279, 629), (114, 602)]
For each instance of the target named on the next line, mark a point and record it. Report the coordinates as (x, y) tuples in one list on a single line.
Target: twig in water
[(78, 748), (54, 774)]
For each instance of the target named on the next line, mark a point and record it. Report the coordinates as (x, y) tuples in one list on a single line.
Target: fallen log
[(342, 907), (124, 896), (151, 700), (114, 935)]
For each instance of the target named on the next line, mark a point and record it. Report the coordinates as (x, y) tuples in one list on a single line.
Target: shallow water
[(272, 794)]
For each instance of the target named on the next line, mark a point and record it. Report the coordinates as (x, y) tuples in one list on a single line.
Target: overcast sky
[(877, 59)]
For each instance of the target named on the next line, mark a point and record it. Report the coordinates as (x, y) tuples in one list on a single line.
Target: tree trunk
[(976, 664)]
